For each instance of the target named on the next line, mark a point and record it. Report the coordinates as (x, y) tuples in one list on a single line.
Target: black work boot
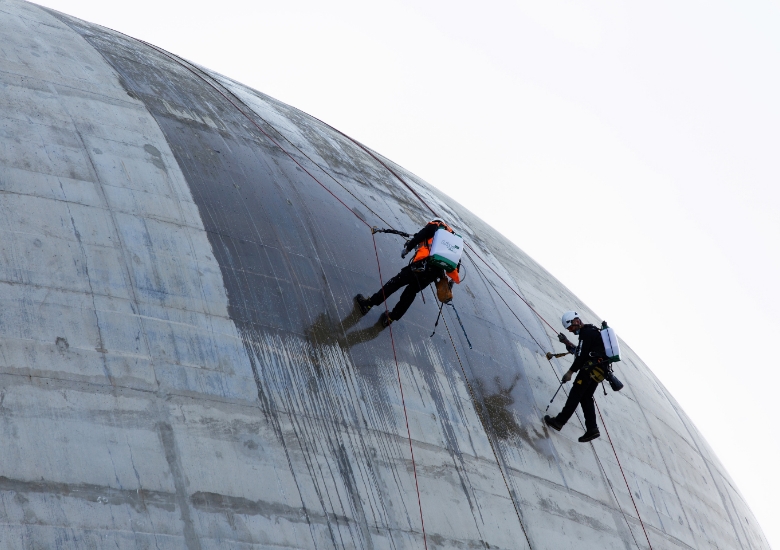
[(363, 303), (385, 319), (589, 435), (553, 423)]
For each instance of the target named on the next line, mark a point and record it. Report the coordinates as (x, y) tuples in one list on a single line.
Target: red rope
[(624, 476), (401, 387)]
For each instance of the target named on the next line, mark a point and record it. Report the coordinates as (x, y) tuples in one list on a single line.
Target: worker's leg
[(407, 297), (588, 405), (575, 395), (418, 283), (403, 278)]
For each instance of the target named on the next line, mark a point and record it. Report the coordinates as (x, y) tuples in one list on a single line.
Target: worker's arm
[(575, 366), (422, 235), (571, 348)]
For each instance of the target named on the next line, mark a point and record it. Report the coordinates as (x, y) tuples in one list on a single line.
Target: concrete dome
[(183, 366)]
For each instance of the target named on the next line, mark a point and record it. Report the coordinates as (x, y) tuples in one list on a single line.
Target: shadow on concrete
[(324, 331)]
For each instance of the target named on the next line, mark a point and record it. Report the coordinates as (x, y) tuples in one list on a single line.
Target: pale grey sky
[(653, 128)]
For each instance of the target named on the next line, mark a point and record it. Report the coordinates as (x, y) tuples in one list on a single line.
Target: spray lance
[(376, 229), (550, 356), (403, 234)]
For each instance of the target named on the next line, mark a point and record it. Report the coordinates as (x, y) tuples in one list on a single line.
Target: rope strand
[(401, 387)]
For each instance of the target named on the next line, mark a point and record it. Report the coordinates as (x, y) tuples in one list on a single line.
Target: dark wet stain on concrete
[(62, 344)]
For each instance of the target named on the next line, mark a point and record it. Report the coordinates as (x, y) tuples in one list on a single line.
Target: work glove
[(404, 252), (562, 338), (566, 377)]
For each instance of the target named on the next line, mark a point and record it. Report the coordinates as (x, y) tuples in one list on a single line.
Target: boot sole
[(589, 438)]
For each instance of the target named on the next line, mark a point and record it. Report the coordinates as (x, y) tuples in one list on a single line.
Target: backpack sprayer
[(612, 348)]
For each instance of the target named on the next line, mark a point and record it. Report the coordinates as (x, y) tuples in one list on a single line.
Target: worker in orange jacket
[(415, 276)]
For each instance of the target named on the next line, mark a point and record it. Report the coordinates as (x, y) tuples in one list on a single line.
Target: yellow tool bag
[(443, 290), (597, 372)]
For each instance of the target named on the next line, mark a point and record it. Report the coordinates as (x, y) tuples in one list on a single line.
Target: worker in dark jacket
[(590, 366), (415, 276)]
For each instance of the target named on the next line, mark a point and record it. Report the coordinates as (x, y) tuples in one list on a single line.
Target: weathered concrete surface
[(181, 364)]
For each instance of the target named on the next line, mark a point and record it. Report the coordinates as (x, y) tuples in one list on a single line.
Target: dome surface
[(183, 364)]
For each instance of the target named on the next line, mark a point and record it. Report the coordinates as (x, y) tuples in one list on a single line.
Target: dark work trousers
[(413, 281), (581, 394)]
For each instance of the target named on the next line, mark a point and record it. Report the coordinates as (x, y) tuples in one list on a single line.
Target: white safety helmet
[(568, 317)]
